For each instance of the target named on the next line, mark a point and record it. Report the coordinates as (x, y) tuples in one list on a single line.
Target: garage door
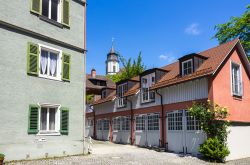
[(121, 129), (102, 129), (89, 127), (184, 134), (147, 132)]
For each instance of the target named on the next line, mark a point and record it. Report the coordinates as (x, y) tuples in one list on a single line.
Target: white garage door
[(103, 129), (147, 132), (121, 129), (184, 134), (89, 127)]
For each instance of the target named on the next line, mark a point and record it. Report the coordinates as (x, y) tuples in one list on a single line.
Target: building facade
[(42, 69), (151, 109)]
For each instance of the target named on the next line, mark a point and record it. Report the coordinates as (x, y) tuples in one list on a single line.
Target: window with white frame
[(146, 82), (153, 122), (175, 120), (116, 124), (187, 67), (236, 79), (52, 9), (99, 125), (192, 122), (104, 93), (49, 119), (121, 90), (50, 62), (105, 124), (140, 123), (90, 122), (125, 123)]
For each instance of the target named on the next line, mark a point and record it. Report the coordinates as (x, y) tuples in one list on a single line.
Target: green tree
[(131, 68), (236, 27)]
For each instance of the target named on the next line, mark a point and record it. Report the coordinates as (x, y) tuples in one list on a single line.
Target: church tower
[(112, 62)]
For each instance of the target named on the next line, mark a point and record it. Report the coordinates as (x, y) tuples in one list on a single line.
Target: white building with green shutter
[(42, 70)]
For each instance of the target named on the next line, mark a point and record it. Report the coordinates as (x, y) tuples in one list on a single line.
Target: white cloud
[(168, 57), (193, 29), (162, 57)]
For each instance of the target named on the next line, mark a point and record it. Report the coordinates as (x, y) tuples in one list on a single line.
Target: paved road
[(105, 153)]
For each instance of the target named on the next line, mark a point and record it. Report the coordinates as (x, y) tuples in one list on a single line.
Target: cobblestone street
[(105, 153)]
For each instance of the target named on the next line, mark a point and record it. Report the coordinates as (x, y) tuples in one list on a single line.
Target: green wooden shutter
[(32, 59), (64, 121), (35, 6), (66, 67), (33, 119), (65, 12)]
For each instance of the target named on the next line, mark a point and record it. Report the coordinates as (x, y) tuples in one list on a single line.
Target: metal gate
[(184, 134)]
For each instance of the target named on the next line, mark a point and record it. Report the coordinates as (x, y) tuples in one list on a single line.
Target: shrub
[(213, 122), (2, 155), (214, 149)]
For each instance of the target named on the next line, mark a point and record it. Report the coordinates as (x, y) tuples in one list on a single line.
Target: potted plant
[(1, 158)]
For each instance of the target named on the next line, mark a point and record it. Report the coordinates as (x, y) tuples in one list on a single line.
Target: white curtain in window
[(52, 118), (53, 64), (44, 61)]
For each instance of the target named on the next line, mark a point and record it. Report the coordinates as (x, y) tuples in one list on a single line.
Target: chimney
[(93, 73)]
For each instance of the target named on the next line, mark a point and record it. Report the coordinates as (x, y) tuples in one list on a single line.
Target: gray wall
[(17, 12), (18, 89)]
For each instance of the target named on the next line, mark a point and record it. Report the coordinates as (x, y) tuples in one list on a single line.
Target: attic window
[(187, 67), (104, 94)]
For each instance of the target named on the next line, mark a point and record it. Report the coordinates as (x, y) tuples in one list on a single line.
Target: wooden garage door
[(184, 134)]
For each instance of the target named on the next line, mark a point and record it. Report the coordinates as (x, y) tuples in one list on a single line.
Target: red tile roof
[(215, 56), (110, 97)]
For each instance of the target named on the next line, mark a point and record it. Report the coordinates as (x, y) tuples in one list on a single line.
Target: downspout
[(131, 121), (94, 124), (162, 119)]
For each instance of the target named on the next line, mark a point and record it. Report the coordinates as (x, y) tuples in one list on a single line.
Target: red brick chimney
[(93, 73)]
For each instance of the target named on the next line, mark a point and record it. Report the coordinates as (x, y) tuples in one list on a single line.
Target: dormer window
[(146, 82), (104, 94), (187, 67), (121, 90)]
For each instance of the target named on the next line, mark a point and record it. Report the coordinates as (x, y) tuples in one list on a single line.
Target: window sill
[(49, 78), (47, 133), (51, 21), (237, 97), (147, 102), (120, 107)]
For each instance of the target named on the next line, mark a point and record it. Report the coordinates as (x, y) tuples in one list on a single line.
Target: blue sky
[(163, 30)]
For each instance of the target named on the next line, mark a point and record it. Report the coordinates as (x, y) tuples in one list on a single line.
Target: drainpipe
[(162, 119), (131, 121), (94, 124)]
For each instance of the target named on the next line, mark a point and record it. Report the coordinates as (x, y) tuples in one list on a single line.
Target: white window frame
[(140, 124), (99, 125), (125, 122), (57, 120), (121, 90), (153, 122), (104, 93), (240, 82), (59, 62), (90, 122), (116, 124), (146, 83), (59, 11), (192, 67), (105, 123)]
